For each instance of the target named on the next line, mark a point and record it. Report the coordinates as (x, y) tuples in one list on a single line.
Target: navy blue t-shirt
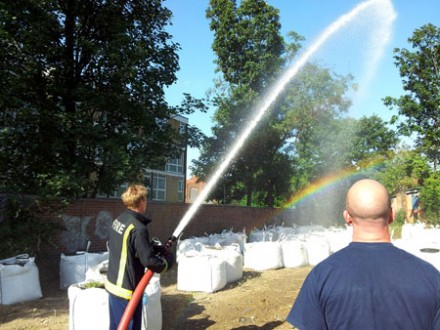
[(369, 286)]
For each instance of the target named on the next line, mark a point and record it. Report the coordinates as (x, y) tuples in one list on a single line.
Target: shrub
[(26, 223), (430, 199)]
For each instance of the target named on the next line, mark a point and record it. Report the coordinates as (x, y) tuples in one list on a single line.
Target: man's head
[(368, 208), (368, 199), (135, 198)]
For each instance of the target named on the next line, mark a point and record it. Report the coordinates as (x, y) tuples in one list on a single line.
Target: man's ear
[(347, 217), (392, 216)]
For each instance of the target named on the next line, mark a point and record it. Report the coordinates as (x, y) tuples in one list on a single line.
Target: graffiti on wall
[(74, 237), (103, 224)]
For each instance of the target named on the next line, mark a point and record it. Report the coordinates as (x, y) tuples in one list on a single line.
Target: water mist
[(382, 8)]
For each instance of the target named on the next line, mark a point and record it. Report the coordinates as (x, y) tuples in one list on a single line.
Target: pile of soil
[(260, 300)]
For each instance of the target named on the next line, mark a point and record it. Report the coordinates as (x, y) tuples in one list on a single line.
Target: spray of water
[(382, 5)]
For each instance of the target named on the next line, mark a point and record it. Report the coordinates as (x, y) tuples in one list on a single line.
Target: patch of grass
[(91, 284)]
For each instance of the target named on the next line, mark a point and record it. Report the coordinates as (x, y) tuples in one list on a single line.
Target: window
[(182, 128), (159, 187), (175, 165), (180, 190)]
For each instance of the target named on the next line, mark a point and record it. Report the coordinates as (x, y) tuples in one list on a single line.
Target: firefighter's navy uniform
[(130, 252)]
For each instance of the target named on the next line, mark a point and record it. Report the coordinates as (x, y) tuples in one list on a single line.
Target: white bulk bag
[(88, 308), (227, 238), (232, 256), (19, 280), (430, 235), (317, 249), (262, 235), (186, 245), (408, 245), (294, 254), (428, 251), (201, 273), (152, 308), (309, 229), (338, 239), (73, 268), (232, 239), (97, 273), (412, 231), (263, 255)]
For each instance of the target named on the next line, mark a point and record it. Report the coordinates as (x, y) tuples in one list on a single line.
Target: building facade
[(166, 184)]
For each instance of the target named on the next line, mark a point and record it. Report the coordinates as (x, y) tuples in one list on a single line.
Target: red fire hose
[(132, 304)]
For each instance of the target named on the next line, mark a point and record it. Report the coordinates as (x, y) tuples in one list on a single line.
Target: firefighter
[(130, 252)]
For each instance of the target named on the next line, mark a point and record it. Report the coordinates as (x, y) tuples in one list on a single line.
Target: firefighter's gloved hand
[(169, 260), (160, 250)]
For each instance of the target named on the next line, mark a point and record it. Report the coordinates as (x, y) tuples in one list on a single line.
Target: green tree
[(419, 108), (248, 46), (405, 169), (429, 199), (280, 148), (371, 138), (82, 94), (314, 131)]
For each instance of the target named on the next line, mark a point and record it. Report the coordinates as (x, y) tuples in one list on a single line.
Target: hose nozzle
[(171, 241)]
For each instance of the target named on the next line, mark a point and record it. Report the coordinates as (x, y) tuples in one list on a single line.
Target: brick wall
[(90, 220)]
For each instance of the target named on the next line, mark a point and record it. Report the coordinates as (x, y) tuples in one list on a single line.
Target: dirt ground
[(260, 300)]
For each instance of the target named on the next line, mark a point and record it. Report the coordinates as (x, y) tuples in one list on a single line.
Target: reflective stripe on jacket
[(130, 252)]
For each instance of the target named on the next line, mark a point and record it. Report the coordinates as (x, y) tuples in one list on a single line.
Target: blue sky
[(346, 53)]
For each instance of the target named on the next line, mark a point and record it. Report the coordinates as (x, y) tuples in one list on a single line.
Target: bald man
[(370, 284)]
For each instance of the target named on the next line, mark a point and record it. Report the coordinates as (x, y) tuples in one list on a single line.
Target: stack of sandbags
[(279, 246), (19, 280)]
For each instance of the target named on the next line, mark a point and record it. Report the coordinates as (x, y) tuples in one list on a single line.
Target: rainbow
[(326, 182)]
